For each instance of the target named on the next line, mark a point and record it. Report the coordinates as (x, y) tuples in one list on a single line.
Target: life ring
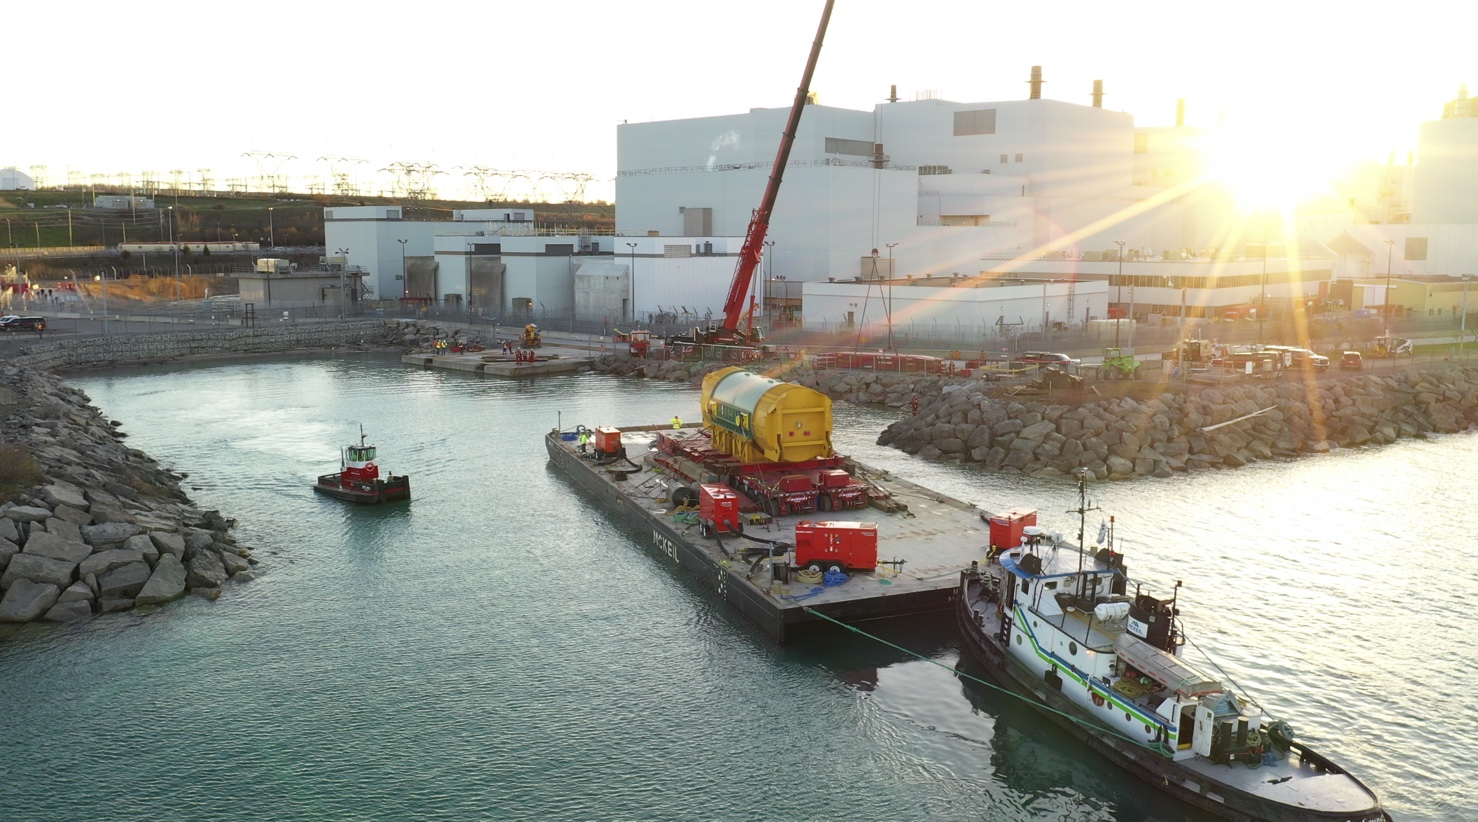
[(1097, 699)]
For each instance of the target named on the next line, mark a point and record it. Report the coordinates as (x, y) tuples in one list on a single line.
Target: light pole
[(271, 229), (343, 264), (1262, 290), (1120, 293), (176, 250), (770, 277), (890, 297), (633, 246), (1386, 296), (404, 275), (1463, 333)]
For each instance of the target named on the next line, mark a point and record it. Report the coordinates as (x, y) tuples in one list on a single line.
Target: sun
[(1274, 169)]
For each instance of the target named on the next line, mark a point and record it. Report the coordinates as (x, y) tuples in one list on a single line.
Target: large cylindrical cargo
[(759, 419)]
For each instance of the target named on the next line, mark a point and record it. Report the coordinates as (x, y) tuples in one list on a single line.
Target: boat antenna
[(1082, 512), (361, 435)]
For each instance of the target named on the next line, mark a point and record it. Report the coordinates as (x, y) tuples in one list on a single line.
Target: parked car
[(1046, 358), (1351, 361), (14, 323), (1301, 357)]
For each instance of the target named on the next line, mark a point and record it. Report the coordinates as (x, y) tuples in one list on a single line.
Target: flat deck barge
[(496, 364), (936, 536)]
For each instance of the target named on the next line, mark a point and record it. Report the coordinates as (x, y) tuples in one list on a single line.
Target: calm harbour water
[(498, 648)]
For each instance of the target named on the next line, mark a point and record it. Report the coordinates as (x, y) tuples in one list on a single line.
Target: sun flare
[(1274, 169)]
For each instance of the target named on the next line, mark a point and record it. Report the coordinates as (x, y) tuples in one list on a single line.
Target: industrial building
[(945, 186)]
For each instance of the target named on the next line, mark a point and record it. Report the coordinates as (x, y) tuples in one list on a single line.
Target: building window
[(1416, 248), (839, 145), (1018, 158), (927, 170), (982, 121), (1005, 158)]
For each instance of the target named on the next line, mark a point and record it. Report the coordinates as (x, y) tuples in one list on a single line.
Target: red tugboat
[(359, 478)]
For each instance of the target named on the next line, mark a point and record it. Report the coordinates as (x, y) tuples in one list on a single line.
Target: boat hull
[(379, 491), (1222, 800)]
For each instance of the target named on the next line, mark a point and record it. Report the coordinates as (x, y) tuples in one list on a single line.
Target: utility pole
[(890, 298), (343, 264), (1462, 338), (1386, 297), (1120, 298)]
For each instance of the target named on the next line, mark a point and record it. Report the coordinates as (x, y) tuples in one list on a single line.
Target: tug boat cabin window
[(361, 453)]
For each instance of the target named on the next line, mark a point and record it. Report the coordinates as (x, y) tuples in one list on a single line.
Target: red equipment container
[(607, 440), (795, 482), (850, 545), (718, 509), (1007, 529), (834, 478)]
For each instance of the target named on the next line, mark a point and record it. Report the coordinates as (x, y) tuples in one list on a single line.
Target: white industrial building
[(498, 263), (940, 188), (13, 179), (1440, 236)]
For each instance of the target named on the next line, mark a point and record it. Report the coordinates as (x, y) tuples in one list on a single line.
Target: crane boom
[(759, 221)]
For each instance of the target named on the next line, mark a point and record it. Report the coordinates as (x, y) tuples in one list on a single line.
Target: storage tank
[(758, 419)]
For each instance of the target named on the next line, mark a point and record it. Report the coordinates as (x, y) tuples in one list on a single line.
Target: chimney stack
[(1036, 83), (1180, 112), (893, 93), (1098, 94)]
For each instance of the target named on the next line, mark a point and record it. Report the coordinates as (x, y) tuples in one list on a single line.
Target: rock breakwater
[(1187, 428), (89, 525), (1193, 428)]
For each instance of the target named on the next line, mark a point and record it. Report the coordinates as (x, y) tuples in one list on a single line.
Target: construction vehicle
[(531, 336), (729, 332), (1385, 347), (1192, 351), (1118, 365), (639, 341)]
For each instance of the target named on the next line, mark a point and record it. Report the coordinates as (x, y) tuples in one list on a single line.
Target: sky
[(153, 86)]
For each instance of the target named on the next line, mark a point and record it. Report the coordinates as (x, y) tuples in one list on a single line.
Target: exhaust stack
[(1036, 83), (1098, 94)]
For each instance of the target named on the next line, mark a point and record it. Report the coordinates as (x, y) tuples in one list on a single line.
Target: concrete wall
[(1024, 306), (130, 348), (602, 288)]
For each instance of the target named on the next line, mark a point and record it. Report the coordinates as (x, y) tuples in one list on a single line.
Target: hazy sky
[(157, 86)]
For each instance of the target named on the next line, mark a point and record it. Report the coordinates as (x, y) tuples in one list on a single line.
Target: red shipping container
[(718, 508), (607, 440), (1007, 529), (835, 478), (852, 545)]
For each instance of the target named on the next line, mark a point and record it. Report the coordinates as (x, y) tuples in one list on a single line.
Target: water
[(499, 649)]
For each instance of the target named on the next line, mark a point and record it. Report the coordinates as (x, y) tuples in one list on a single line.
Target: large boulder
[(64, 529), (145, 547), (125, 581), (104, 561), (108, 534), (68, 611), (8, 549), (28, 513), (206, 570), (64, 493), (56, 572), (166, 583), (53, 546), (233, 563), (168, 543), (26, 600), (77, 592)]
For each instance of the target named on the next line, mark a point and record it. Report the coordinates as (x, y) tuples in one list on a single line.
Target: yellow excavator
[(531, 336)]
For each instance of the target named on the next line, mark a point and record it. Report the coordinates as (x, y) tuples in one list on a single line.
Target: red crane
[(729, 332)]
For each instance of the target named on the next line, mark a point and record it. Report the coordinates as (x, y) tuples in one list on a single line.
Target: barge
[(796, 508)]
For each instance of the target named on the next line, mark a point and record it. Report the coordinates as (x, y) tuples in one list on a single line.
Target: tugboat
[(359, 478), (1062, 628)]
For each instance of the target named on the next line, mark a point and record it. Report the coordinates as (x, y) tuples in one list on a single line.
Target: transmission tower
[(341, 174)]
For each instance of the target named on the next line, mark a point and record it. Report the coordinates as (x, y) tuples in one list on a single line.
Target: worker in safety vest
[(584, 438), (676, 422)]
